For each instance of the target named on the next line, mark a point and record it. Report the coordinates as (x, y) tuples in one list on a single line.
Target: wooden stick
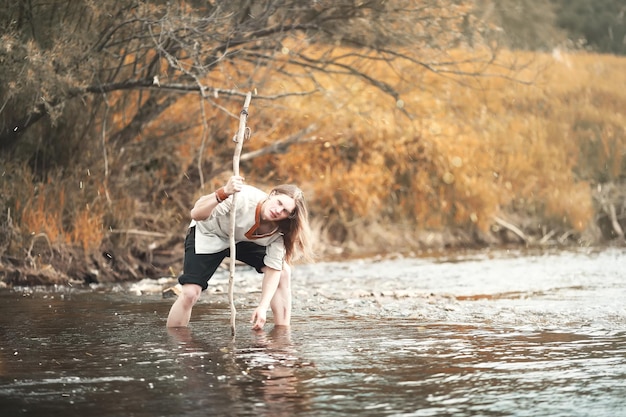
[(241, 134), (513, 229), (614, 222)]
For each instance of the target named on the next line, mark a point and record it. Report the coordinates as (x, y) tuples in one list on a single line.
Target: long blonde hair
[(295, 229)]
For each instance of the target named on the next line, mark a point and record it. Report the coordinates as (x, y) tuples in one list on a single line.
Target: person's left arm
[(271, 278)]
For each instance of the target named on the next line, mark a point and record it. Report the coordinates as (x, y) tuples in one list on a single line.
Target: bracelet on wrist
[(220, 195)]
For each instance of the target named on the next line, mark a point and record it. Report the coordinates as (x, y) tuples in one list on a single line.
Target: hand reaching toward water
[(259, 317)]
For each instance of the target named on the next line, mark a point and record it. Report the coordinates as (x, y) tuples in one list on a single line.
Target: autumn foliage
[(530, 150), (525, 149)]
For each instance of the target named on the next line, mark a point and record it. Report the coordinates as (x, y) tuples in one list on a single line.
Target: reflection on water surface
[(523, 336)]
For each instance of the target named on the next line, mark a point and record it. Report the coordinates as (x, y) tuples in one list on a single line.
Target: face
[(278, 207)]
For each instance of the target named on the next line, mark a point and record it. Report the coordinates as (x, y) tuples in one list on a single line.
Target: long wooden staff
[(239, 138)]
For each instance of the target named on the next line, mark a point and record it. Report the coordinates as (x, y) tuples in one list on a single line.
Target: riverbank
[(47, 265)]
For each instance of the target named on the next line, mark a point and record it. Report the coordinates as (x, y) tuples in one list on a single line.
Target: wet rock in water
[(151, 286), (172, 292)]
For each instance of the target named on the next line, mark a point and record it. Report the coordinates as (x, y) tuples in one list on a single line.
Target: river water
[(475, 334)]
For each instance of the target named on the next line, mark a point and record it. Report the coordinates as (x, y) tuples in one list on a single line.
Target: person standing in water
[(271, 231)]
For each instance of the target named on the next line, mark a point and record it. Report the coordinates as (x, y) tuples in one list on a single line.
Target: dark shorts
[(199, 268)]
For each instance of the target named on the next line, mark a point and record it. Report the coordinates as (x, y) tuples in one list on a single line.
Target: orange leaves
[(44, 214), (464, 152), (88, 229), (510, 143)]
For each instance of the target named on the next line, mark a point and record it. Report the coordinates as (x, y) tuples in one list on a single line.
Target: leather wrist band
[(220, 195)]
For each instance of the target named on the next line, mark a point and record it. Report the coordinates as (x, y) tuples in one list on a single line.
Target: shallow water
[(490, 334)]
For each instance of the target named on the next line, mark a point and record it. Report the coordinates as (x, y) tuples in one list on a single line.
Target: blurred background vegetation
[(410, 126)]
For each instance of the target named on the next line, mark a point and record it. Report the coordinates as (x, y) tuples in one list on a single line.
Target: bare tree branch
[(278, 147)]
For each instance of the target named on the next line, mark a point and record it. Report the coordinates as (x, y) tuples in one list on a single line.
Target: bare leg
[(281, 302), (180, 313)]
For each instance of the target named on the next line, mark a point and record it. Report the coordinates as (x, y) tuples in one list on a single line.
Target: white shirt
[(212, 234)]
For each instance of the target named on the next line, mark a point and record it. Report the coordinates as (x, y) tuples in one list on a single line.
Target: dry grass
[(474, 150)]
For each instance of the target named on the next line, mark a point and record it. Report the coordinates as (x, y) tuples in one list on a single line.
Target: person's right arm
[(207, 203)]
